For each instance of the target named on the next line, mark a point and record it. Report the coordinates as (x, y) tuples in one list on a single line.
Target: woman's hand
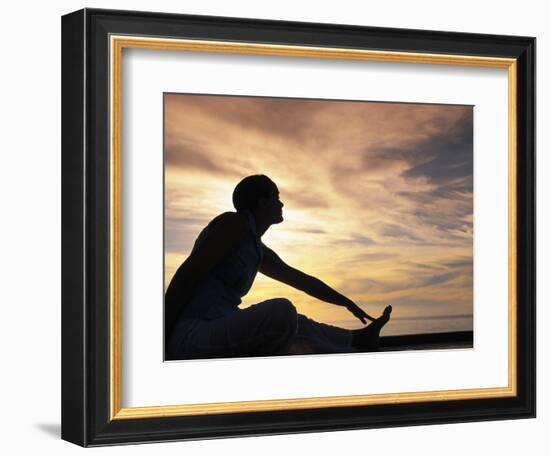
[(359, 313)]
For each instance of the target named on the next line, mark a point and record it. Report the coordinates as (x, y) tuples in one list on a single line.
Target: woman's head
[(259, 195)]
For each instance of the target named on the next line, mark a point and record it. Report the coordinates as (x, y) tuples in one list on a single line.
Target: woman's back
[(219, 290)]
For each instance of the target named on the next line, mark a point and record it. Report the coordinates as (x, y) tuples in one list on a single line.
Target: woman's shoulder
[(233, 221), (226, 230)]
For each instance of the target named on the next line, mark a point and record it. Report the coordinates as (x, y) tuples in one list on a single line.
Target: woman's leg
[(261, 329), (273, 327), (313, 337)]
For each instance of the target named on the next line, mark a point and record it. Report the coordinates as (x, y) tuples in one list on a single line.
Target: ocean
[(400, 326), (422, 325)]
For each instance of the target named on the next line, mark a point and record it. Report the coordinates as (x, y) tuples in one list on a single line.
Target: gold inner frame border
[(116, 46)]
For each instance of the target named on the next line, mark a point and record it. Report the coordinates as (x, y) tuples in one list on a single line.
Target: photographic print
[(311, 226), (230, 232)]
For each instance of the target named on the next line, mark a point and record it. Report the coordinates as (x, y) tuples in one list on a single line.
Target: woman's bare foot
[(369, 338)]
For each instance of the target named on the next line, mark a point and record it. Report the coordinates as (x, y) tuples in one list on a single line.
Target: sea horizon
[(401, 326)]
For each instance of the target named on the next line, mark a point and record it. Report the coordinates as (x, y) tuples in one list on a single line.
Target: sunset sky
[(378, 197)]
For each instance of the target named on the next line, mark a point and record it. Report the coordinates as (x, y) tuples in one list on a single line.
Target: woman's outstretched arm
[(272, 266)]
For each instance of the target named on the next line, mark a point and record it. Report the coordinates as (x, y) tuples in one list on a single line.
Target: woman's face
[(272, 207)]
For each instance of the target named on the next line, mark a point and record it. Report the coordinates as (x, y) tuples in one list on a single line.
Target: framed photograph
[(408, 245), (276, 227)]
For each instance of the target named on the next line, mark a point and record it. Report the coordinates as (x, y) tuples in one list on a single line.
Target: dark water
[(400, 326), (420, 325)]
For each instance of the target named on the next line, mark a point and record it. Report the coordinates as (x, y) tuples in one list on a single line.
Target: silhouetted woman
[(202, 317)]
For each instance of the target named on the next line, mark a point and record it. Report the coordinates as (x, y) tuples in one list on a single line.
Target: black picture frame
[(86, 334)]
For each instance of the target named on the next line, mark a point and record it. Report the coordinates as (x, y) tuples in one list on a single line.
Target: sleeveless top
[(220, 292)]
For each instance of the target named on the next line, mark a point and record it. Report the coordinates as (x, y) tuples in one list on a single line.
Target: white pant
[(272, 327)]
